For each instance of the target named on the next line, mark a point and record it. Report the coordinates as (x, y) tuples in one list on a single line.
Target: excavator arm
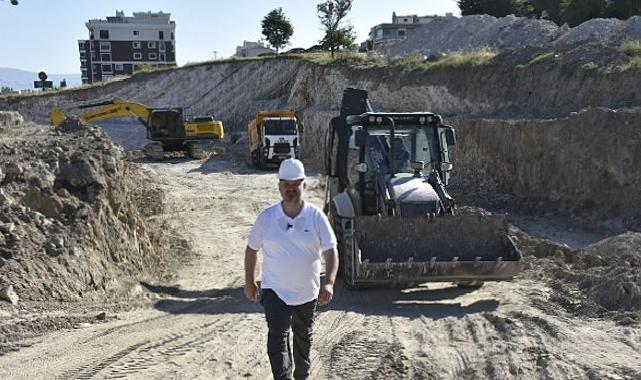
[(105, 110)]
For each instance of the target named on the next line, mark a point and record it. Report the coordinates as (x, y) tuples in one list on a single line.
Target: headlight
[(372, 119), (379, 119), (421, 120)]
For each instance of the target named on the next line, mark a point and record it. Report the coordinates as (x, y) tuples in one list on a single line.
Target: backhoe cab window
[(410, 144), (280, 127)]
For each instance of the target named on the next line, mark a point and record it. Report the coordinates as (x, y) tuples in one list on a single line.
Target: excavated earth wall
[(515, 115), (584, 163)]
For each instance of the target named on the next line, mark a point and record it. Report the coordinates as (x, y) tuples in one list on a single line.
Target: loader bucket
[(446, 248)]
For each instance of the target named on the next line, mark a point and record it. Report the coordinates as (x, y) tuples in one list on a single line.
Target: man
[(292, 234)]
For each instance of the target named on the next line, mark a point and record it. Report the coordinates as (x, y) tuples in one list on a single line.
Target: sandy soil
[(201, 326)]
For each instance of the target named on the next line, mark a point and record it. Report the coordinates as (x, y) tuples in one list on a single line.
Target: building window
[(136, 33), (83, 73), (162, 57), (161, 35), (91, 34), (106, 68), (105, 46), (400, 33), (104, 34), (152, 56), (161, 46), (136, 44), (83, 55), (81, 45), (105, 57), (83, 64), (138, 56), (118, 67), (151, 44), (172, 36)]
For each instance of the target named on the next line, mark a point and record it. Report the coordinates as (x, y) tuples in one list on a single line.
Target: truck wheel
[(261, 161)]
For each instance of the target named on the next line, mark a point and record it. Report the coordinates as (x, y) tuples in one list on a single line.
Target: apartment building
[(398, 30), (253, 49), (122, 44)]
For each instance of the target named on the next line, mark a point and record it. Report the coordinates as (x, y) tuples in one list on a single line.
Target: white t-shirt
[(292, 251)]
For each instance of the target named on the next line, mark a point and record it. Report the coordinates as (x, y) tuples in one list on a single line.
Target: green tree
[(496, 8), (277, 29), (623, 9), (337, 32), (575, 12)]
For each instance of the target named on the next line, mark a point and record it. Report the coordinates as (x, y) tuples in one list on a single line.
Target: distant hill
[(23, 80)]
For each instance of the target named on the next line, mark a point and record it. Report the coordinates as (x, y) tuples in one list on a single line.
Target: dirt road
[(201, 326)]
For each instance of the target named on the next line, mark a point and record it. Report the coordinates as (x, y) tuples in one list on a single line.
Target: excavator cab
[(165, 124), (388, 202)]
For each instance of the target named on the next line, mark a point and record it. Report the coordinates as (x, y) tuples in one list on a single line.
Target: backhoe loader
[(166, 127), (388, 202)]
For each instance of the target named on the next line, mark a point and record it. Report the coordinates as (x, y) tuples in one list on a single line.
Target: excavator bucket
[(57, 116), (448, 248)]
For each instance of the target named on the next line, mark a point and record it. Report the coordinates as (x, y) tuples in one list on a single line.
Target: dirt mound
[(73, 215), (602, 280), (10, 118), (447, 34), (611, 32), (613, 277)]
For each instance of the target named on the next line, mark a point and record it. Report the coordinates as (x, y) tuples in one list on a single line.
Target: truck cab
[(273, 137)]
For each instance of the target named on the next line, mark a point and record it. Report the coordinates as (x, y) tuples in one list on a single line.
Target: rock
[(5, 199), (7, 228), (8, 294), (102, 316)]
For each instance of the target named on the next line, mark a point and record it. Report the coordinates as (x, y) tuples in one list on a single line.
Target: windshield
[(280, 127), (410, 144)]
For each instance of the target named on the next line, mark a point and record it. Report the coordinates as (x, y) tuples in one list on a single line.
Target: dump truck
[(273, 137), (387, 200), (167, 128)]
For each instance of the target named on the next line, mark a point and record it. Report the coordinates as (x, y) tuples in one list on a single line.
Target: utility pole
[(215, 54)]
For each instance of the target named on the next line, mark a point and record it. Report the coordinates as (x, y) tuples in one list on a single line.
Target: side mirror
[(359, 137), (450, 136), (301, 128)]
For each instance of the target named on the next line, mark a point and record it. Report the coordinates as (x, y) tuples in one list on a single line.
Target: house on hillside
[(253, 49), (121, 45), (399, 29)]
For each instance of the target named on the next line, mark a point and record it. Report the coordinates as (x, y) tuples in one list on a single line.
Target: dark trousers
[(280, 317)]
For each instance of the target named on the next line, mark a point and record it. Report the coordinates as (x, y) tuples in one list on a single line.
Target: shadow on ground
[(414, 303)]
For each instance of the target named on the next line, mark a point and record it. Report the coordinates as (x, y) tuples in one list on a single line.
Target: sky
[(41, 35)]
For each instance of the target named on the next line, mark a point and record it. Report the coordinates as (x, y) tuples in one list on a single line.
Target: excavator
[(387, 200), (167, 128)]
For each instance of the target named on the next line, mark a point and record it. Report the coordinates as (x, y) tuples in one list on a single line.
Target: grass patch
[(631, 48), (477, 57), (590, 66), (633, 64), (544, 57)]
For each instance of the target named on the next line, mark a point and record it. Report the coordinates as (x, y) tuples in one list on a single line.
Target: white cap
[(291, 169)]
